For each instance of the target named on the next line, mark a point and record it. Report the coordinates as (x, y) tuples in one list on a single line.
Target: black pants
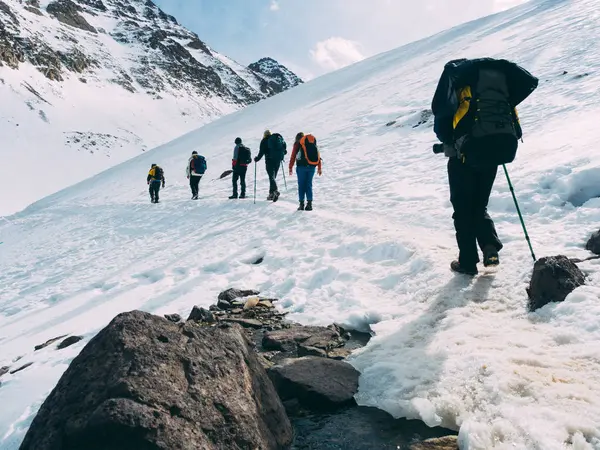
[(272, 170), (154, 190), (239, 173), (194, 182), (470, 191)]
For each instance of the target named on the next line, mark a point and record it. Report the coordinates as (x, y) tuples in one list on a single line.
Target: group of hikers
[(273, 148), (476, 120)]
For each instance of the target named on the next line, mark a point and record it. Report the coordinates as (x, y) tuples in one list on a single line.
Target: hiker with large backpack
[(241, 158), (156, 177), (476, 120), (305, 154), (196, 168), (273, 147)]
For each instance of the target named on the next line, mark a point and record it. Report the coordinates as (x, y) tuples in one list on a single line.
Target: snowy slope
[(92, 83), (374, 254)]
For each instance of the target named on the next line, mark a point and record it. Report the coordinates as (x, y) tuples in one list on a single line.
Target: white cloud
[(336, 52), (274, 5)]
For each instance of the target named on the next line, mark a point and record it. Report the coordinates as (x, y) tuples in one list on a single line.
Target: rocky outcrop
[(317, 383), (553, 279), (443, 443), (144, 382), (305, 340), (67, 12), (71, 340), (233, 294), (277, 77), (593, 243)]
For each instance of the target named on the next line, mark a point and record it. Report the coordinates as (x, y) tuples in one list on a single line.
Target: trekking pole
[(255, 182), (512, 191), (283, 173)]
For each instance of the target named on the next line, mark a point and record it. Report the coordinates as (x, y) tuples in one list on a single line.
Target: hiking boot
[(490, 257), (270, 197), (301, 207), (233, 197), (308, 206), (195, 197), (243, 196), (275, 196), (456, 267)]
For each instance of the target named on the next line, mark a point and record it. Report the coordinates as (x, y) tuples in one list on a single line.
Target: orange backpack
[(310, 150)]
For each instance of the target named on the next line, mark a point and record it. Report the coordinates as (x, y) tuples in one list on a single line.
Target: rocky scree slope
[(112, 78)]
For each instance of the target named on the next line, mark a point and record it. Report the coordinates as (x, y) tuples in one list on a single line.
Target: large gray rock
[(318, 383), (593, 244), (309, 338), (553, 279), (231, 294), (146, 383)]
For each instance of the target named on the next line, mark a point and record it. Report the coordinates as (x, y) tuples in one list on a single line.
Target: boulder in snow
[(553, 279), (144, 382), (48, 342), (67, 12), (202, 315), (175, 318), (288, 339), (69, 341), (225, 174), (593, 244), (318, 383), (232, 294)]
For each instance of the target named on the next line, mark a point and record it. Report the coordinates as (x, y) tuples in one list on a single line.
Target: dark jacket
[(264, 149), (156, 176)]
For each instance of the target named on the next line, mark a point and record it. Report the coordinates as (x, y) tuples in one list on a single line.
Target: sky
[(313, 37)]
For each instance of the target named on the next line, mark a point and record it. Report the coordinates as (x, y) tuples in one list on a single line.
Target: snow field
[(374, 254)]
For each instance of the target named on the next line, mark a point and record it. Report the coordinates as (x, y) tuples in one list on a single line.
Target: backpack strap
[(311, 139)]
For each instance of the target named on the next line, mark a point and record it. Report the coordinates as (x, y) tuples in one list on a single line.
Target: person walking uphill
[(241, 158), (196, 168), (476, 120), (155, 178), (273, 147), (305, 154)]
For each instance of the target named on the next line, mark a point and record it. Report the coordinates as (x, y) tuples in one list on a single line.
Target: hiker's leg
[(192, 184), (462, 185), (151, 191), (195, 188), (310, 174), (234, 180), (242, 176), (301, 174), (484, 225), (272, 174)]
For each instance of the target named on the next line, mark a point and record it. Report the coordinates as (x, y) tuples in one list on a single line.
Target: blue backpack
[(200, 165)]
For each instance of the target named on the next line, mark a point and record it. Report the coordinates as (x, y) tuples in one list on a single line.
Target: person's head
[(194, 153), (299, 136), (153, 166), (267, 134), (238, 141)]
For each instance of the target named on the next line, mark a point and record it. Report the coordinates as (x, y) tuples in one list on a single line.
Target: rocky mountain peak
[(279, 74)]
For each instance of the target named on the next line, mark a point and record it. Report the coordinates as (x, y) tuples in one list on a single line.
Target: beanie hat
[(238, 141)]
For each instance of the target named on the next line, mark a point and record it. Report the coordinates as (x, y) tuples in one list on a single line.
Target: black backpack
[(158, 173), (277, 147), (475, 109), (308, 154), (244, 155)]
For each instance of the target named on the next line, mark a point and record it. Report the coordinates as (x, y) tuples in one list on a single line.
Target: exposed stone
[(318, 383), (226, 174), (4, 370), (553, 279), (311, 351), (232, 294), (175, 318), (48, 342), (67, 12), (34, 3), (593, 244), (23, 367), (33, 10), (288, 339), (6, 10), (339, 353), (69, 341), (265, 304), (197, 44), (246, 323), (146, 383), (224, 304), (201, 315), (443, 443), (251, 303)]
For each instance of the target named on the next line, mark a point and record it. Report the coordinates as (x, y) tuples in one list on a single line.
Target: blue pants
[(305, 178)]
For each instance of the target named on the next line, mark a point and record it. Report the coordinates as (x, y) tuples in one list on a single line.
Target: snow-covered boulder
[(145, 382), (553, 279), (593, 244)]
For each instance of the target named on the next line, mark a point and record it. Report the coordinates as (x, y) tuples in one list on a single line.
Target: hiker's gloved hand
[(148, 182), (256, 159), (320, 172), (290, 172), (163, 184)]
